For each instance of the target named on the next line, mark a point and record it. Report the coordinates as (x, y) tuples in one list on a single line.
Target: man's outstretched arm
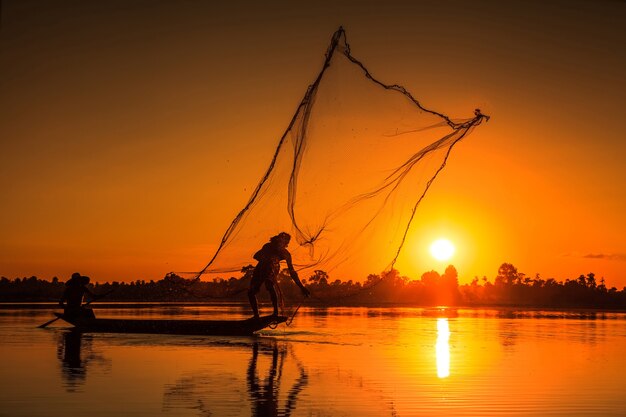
[(294, 275)]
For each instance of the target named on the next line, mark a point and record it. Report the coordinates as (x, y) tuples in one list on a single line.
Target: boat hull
[(182, 327)]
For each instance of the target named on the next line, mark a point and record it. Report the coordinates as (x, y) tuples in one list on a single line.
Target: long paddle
[(41, 326)]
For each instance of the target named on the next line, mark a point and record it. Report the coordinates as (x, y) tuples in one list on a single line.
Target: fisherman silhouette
[(72, 298), (267, 269)]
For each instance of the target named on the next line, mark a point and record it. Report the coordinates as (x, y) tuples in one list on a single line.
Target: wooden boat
[(182, 327)]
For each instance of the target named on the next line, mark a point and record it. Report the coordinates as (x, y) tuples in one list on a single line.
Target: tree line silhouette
[(509, 288)]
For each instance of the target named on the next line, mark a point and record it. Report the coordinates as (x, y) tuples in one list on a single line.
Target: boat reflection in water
[(274, 378), (442, 348)]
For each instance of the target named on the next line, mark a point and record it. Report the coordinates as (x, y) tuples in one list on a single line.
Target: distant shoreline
[(510, 289), (49, 305)]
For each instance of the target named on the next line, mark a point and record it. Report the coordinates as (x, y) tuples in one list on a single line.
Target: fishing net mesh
[(347, 176)]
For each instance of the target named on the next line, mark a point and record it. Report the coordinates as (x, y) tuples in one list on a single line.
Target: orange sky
[(131, 132)]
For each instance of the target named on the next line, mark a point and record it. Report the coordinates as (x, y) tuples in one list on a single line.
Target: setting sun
[(442, 249)]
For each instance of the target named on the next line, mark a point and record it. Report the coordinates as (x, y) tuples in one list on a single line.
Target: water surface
[(329, 362)]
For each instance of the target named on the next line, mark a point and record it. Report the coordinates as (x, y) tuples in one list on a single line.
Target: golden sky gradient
[(131, 132)]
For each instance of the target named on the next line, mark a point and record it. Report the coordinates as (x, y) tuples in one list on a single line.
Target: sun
[(442, 249)]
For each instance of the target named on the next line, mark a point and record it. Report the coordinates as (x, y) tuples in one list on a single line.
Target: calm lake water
[(329, 362)]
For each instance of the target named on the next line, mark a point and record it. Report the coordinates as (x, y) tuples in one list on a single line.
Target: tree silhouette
[(510, 287)]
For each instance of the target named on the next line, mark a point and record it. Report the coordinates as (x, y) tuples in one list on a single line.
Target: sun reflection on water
[(442, 348)]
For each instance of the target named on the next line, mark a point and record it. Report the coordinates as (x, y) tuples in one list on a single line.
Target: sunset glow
[(137, 139)]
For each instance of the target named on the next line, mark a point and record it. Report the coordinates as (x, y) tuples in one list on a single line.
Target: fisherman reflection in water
[(274, 379), (264, 396), (72, 299), (77, 355), (72, 367), (264, 393), (267, 269)]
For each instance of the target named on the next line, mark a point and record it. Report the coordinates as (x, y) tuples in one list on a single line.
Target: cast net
[(347, 175)]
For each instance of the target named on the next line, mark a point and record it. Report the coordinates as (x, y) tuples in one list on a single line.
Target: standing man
[(267, 269)]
